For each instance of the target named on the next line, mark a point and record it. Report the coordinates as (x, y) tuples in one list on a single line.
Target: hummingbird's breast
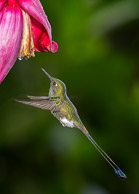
[(66, 122), (69, 116)]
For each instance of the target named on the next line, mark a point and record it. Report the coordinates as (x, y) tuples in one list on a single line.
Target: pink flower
[(24, 28)]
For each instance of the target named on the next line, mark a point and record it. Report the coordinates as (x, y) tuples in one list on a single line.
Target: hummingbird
[(63, 109)]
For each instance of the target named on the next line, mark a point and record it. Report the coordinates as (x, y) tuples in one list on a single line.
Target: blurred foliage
[(98, 61)]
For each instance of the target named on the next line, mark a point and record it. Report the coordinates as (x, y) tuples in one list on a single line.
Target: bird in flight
[(63, 109)]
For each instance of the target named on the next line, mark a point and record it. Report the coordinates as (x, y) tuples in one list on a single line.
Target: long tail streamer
[(117, 170)]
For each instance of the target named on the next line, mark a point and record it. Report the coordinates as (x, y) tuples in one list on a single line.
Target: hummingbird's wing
[(49, 103), (38, 97)]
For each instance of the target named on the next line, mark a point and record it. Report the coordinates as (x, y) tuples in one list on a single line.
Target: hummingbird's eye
[(54, 84)]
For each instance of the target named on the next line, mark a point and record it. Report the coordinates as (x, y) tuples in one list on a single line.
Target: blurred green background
[(98, 59)]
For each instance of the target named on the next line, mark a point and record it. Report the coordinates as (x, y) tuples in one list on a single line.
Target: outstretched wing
[(38, 97), (43, 103)]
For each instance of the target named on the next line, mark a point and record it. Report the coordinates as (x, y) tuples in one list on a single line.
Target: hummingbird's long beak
[(46, 73)]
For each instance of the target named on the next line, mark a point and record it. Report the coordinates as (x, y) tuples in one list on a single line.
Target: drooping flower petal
[(42, 28), (10, 38), (40, 38), (2, 3)]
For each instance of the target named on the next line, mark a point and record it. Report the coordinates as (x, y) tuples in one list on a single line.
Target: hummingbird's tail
[(117, 170)]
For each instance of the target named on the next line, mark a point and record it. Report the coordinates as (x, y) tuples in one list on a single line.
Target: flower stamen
[(27, 46)]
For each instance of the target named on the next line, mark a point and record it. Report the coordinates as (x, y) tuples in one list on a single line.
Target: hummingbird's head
[(57, 87)]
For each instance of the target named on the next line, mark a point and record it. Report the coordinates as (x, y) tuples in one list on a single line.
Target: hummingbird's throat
[(51, 92)]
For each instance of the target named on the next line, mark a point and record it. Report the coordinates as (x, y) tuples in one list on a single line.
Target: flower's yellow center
[(27, 45)]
